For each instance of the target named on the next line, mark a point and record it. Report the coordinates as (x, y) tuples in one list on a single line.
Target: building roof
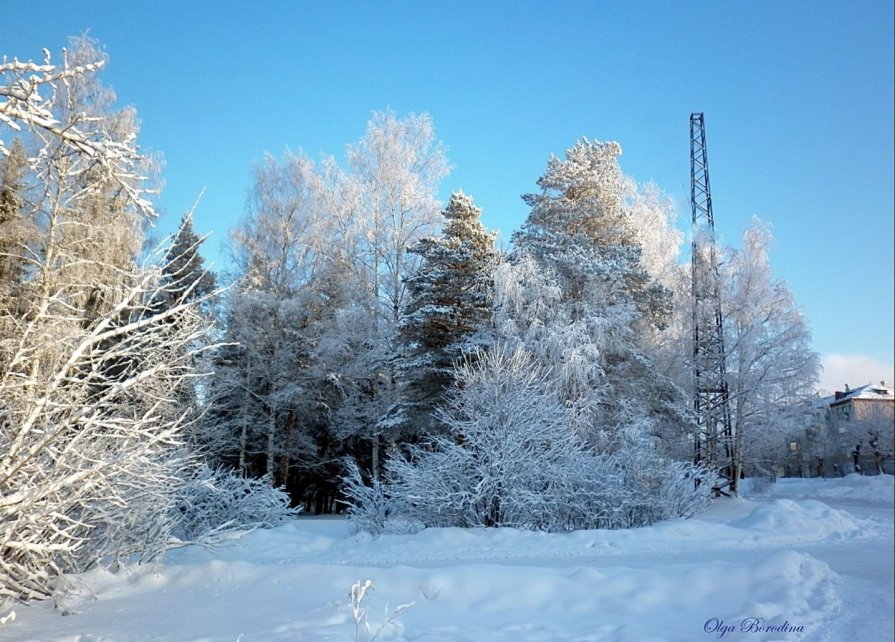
[(868, 391)]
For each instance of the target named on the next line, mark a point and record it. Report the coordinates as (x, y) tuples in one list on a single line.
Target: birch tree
[(91, 454), (398, 165), (651, 215), (263, 388), (770, 364), (396, 168)]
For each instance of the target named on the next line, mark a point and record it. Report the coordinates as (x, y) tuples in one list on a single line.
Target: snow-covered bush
[(513, 458), (369, 507), (91, 443), (688, 489), (215, 502), (508, 439)]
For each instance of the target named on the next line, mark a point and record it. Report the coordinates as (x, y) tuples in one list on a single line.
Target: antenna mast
[(711, 401)]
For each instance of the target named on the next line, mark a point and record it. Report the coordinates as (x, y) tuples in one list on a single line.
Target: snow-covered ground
[(812, 559)]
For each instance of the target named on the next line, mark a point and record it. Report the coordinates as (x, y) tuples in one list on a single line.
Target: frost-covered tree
[(447, 312), (76, 191), (93, 462), (529, 311), (874, 431), (184, 265), (14, 230), (559, 425), (671, 352), (580, 226), (396, 169), (354, 344), (771, 367), (89, 434), (582, 300), (92, 456), (397, 165), (16, 235), (651, 215), (322, 259), (186, 278), (280, 379), (87, 184), (67, 114), (261, 394)]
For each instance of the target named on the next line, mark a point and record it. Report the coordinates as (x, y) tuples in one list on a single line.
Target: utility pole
[(714, 443)]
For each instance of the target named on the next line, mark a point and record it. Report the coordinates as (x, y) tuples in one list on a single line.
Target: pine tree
[(582, 237), (447, 311), (581, 226)]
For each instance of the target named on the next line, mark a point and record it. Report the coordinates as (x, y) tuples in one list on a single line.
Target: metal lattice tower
[(711, 401)]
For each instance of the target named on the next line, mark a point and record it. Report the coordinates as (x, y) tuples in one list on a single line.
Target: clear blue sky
[(797, 96)]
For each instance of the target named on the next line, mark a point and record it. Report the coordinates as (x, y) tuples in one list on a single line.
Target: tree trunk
[(375, 457), (271, 441), (244, 433)]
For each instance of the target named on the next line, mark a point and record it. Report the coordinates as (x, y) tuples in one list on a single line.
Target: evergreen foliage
[(12, 226), (448, 310), (581, 227), (185, 267), (579, 249)]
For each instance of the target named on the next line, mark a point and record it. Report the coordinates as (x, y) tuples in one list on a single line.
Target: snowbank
[(754, 563), (880, 488)]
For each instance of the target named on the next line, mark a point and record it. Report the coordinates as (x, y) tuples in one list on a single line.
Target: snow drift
[(789, 560)]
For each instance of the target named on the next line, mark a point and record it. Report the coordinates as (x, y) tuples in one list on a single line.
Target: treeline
[(356, 297), (366, 329)]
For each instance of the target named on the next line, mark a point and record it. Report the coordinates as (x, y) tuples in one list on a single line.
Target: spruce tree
[(186, 280), (185, 267), (447, 312)]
